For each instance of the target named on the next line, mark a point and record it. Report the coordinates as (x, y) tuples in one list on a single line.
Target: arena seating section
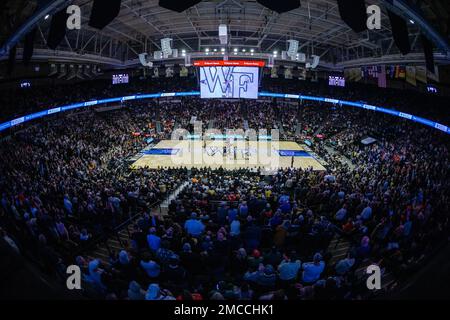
[(68, 196)]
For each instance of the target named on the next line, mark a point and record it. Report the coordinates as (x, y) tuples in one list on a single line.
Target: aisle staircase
[(339, 248), (122, 239), (343, 158)]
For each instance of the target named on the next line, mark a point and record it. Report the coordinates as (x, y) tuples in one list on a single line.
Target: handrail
[(106, 236)]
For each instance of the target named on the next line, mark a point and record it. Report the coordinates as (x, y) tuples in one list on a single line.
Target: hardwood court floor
[(249, 154)]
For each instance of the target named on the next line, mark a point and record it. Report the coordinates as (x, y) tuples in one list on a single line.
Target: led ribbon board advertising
[(15, 122)]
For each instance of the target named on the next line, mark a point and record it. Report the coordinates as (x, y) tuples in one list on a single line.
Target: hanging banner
[(400, 72), (288, 73), (433, 76), (421, 74), (155, 73), (169, 72), (353, 74), (274, 72), (382, 77), (301, 74), (184, 72), (411, 75)]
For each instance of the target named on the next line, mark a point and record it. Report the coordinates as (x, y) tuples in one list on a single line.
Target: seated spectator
[(154, 242), (341, 214), (135, 292), (193, 226), (274, 295), (84, 235), (255, 259), (264, 277), (313, 270), (155, 293), (138, 238), (273, 257), (288, 269), (252, 235), (95, 275), (343, 266), (366, 214), (173, 272), (164, 253), (235, 228), (192, 261), (243, 210), (239, 263), (151, 268), (232, 213), (364, 248)]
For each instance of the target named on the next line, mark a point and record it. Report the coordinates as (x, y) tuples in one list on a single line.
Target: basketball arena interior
[(226, 150)]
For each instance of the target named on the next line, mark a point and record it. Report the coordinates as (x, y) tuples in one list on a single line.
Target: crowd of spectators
[(228, 234)]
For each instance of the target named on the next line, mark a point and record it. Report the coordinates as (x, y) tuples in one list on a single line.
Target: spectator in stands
[(135, 292), (265, 276), (151, 268), (193, 226), (154, 242), (155, 293), (343, 266), (313, 270), (57, 178), (289, 269)]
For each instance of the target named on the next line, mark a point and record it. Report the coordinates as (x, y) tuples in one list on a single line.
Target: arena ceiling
[(141, 25)]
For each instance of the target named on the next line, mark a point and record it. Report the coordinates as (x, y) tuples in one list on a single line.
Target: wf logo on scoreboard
[(229, 82)]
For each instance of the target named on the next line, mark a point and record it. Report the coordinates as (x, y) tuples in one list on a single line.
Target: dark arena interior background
[(224, 150)]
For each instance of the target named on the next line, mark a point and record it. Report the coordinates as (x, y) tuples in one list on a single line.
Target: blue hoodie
[(151, 268)]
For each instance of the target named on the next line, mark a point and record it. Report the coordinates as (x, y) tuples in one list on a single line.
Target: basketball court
[(229, 155)]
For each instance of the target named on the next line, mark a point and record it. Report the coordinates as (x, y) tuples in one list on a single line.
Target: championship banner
[(155, 73), (288, 73), (382, 77), (184, 72), (370, 72), (411, 75), (400, 72), (390, 71), (169, 72), (421, 74), (301, 74), (433, 76), (353, 74), (274, 72)]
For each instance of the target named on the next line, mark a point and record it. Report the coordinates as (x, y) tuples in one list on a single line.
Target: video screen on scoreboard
[(336, 81), (120, 78), (229, 79)]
